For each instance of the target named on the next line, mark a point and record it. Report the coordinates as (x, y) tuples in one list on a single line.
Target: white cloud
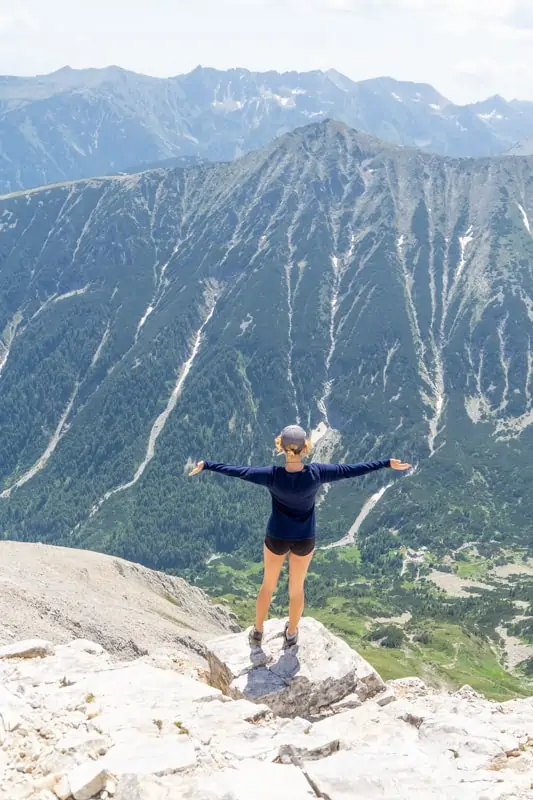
[(456, 13), (15, 19), (520, 17), (467, 49)]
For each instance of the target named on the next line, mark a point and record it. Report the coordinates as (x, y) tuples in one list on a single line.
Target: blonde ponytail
[(306, 449)]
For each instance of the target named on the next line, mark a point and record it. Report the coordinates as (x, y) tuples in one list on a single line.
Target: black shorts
[(300, 547)]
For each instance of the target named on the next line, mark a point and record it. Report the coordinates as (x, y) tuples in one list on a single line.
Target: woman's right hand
[(198, 468), (397, 464)]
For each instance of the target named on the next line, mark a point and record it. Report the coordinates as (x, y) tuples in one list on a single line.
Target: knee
[(267, 589), (296, 592)]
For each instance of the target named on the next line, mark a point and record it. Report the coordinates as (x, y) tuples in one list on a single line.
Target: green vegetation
[(89, 370), (402, 627), (387, 636), (108, 286), (181, 728), (523, 629)]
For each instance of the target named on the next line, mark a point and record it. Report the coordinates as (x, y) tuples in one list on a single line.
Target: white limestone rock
[(11, 708), (62, 788), (250, 780), (157, 755), (303, 680), (409, 687), (386, 698), (348, 702), (87, 780), (157, 734)]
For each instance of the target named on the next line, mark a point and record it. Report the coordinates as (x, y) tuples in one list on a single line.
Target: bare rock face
[(78, 725), (60, 594), (301, 680)]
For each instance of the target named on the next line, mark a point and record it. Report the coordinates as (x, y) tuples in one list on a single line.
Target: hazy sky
[(468, 49)]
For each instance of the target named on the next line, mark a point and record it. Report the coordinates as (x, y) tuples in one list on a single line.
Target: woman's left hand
[(397, 464), (198, 468)]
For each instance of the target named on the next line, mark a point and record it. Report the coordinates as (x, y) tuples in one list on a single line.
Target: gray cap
[(293, 436)]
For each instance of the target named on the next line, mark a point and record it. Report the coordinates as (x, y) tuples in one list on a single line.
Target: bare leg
[(273, 565), (298, 566)]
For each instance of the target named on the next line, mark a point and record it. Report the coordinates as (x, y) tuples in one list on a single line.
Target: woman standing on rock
[(291, 526)]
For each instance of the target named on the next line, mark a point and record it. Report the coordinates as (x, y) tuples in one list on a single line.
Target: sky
[(467, 49)]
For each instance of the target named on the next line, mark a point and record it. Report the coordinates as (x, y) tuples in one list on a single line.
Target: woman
[(291, 526)]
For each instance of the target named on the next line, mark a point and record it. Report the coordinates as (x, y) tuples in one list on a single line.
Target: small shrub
[(387, 635), (424, 637), (181, 727)]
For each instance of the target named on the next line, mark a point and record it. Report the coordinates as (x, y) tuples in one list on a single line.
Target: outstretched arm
[(259, 475), (329, 473)]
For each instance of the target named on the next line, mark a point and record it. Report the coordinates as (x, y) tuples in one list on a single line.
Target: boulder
[(368, 775), (30, 648), (135, 787), (303, 680), (80, 726), (87, 780), (307, 748)]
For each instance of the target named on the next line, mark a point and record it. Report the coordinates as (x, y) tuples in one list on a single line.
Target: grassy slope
[(454, 655)]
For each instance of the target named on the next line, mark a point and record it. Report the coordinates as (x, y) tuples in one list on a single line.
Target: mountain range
[(381, 296), (82, 123)]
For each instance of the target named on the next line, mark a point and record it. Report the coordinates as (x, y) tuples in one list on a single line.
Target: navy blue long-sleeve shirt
[(293, 493)]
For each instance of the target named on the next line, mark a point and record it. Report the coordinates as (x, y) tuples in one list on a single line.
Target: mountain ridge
[(121, 606), (256, 286), (75, 124)]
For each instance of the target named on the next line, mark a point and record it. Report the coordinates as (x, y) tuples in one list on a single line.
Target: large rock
[(87, 780), (78, 718), (302, 680)]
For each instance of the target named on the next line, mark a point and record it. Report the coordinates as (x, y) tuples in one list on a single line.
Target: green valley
[(402, 625)]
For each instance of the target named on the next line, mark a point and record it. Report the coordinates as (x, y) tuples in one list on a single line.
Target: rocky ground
[(310, 721), (59, 594)]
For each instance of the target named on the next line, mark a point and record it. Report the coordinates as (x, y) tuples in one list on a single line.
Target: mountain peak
[(315, 720), (325, 133), (340, 80)]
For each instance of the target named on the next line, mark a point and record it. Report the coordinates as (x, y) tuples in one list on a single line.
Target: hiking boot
[(292, 639), (255, 637)]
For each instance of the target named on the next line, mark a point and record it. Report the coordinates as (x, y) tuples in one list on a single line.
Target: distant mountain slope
[(56, 593), (81, 123), (522, 148), (151, 320)]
